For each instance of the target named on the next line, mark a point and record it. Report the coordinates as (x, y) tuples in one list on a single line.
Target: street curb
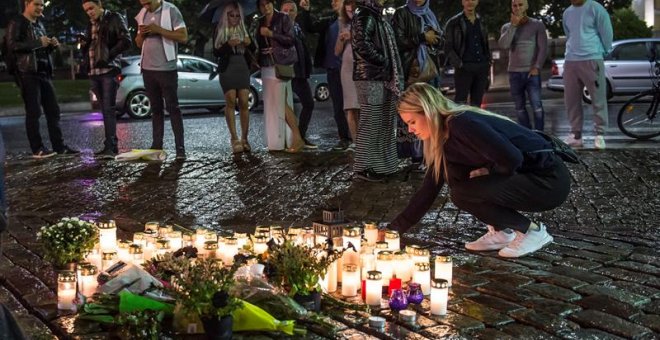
[(75, 107)]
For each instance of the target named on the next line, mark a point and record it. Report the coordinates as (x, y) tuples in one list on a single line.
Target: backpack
[(561, 149)]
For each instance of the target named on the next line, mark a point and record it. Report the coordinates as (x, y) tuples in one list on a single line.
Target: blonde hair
[(225, 32), (425, 99)]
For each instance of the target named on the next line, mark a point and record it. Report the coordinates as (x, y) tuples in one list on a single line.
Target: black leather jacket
[(407, 28), (282, 42), (369, 44), (302, 67), (320, 26), (455, 42), (23, 43), (113, 40)]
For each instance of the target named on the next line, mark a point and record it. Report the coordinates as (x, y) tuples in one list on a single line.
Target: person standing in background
[(527, 42), (106, 39), (344, 49), (160, 29)]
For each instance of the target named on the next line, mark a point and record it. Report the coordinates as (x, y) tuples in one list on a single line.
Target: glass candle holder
[(165, 230), (398, 300), (122, 251), (107, 237), (136, 254), (402, 266), (163, 246), (351, 237), (444, 268), (422, 275), (419, 254), (210, 248), (439, 297), (176, 239), (374, 287), (199, 239), (371, 232), (94, 257), (308, 236), (66, 290), (393, 240), (151, 226), (367, 262), (88, 283), (108, 258), (384, 266), (329, 282), (241, 239), (350, 280), (139, 238), (260, 230), (228, 251), (259, 244), (415, 294), (188, 239), (380, 246)]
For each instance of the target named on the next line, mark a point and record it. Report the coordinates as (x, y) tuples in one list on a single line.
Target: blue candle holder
[(398, 300), (415, 294)]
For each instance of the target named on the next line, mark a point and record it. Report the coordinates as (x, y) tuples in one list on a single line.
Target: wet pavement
[(600, 279)]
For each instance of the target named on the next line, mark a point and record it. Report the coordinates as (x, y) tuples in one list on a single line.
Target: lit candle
[(94, 258), (241, 239), (395, 283), (176, 239), (188, 239), (422, 275), (162, 246), (351, 236), (380, 246), (151, 226), (295, 234), (277, 232), (371, 233), (367, 262), (330, 279), (259, 244), (108, 259), (88, 283), (136, 254), (308, 236), (139, 238), (122, 250), (418, 253), (439, 296), (260, 230), (108, 237), (165, 230), (403, 266), (393, 240), (384, 266), (149, 247), (340, 263), (320, 239), (229, 250), (443, 268), (66, 290), (210, 248), (350, 280), (374, 286), (200, 238)]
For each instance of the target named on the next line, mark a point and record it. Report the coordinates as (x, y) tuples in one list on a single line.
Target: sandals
[(296, 147), (246, 145), (237, 146)]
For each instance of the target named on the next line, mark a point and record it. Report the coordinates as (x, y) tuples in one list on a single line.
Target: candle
[(139, 238), (395, 283), (418, 253), (94, 258), (295, 235), (66, 291), (277, 233), (340, 264), (374, 287), (443, 268), (351, 236), (380, 246), (350, 280), (409, 316), (122, 250), (367, 263), (88, 283), (162, 246), (108, 237), (228, 251), (108, 259), (136, 255), (422, 275), (320, 239), (371, 233), (149, 247), (384, 266), (241, 240), (329, 283), (308, 236), (165, 230), (393, 240), (210, 248), (188, 239), (259, 244), (262, 231), (403, 266), (200, 238), (176, 239), (151, 226), (439, 295)]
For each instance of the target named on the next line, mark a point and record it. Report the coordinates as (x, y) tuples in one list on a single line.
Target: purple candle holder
[(415, 294), (398, 300)]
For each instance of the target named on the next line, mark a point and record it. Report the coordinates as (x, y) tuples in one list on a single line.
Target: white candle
[(151, 226), (374, 287), (320, 239), (88, 283), (210, 248), (418, 254), (241, 239), (393, 240), (228, 251), (443, 268), (165, 230), (259, 244), (351, 236), (163, 246), (380, 246), (350, 280), (329, 283), (262, 231), (66, 290), (136, 255), (422, 275), (108, 259), (122, 251), (149, 247), (108, 237), (439, 296), (403, 266), (384, 266), (200, 238), (188, 240), (371, 233), (94, 258), (340, 264), (176, 239), (139, 238), (308, 236), (277, 233), (367, 263)]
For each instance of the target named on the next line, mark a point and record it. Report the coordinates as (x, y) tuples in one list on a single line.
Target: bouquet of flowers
[(68, 240)]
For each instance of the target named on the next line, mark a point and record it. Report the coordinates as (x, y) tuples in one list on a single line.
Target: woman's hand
[(234, 42), (479, 172), (266, 32)]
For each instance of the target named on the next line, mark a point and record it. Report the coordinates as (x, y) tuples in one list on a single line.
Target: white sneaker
[(599, 142), (492, 240), (574, 142), (526, 243)]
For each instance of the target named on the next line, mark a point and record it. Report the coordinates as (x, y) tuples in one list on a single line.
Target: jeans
[(471, 79), (337, 96), (521, 83), (105, 88), (163, 85), (38, 92), (301, 88)]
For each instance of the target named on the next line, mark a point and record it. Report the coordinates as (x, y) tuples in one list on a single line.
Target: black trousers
[(497, 200), (337, 96), (301, 88), (471, 79), (38, 92), (162, 85)]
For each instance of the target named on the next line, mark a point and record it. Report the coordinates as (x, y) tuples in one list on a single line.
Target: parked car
[(318, 83), (627, 68)]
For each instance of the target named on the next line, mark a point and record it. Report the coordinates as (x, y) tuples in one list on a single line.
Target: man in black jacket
[(29, 47), (466, 49), (107, 37)]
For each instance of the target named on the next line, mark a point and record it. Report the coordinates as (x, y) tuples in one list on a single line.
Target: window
[(195, 66), (632, 51)]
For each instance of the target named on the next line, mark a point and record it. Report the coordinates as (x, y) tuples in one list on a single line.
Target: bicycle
[(638, 117)]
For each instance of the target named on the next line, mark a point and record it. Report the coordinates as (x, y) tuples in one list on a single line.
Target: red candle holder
[(395, 283)]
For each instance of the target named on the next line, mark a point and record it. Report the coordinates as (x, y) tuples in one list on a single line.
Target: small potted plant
[(298, 269), (202, 288), (67, 241)]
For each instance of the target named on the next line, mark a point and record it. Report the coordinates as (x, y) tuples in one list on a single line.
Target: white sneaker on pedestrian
[(529, 242), (492, 240), (574, 142), (599, 142)]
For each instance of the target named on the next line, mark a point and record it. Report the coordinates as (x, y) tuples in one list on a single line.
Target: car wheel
[(586, 97), (138, 105), (253, 99), (322, 92)]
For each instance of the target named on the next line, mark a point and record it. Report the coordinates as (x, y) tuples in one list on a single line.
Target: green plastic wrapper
[(253, 318), (129, 302)]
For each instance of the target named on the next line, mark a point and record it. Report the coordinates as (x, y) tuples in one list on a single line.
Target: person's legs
[(169, 84), (598, 90), (352, 118), (292, 122), (534, 94), (462, 84), (230, 105), (479, 83), (517, 82), (337, 96), (155, 94), (31, 92), (105, 88), (573, 85), (52, 113), (301, 88), (244, 110)]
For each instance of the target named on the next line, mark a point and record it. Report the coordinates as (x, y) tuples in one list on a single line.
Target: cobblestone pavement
[(599, 280)]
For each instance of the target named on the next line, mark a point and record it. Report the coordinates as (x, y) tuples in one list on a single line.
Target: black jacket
[(320, 26), (113, 40), (302, 67), (282, 42), (23, 44), (455, 39), (407, 28), (369, 46)]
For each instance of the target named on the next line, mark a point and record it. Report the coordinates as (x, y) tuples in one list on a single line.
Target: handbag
[(561, 149), (417, 74), (282, 71)]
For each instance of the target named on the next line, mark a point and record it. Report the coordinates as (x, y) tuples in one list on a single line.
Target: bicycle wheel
[(638, 117)]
